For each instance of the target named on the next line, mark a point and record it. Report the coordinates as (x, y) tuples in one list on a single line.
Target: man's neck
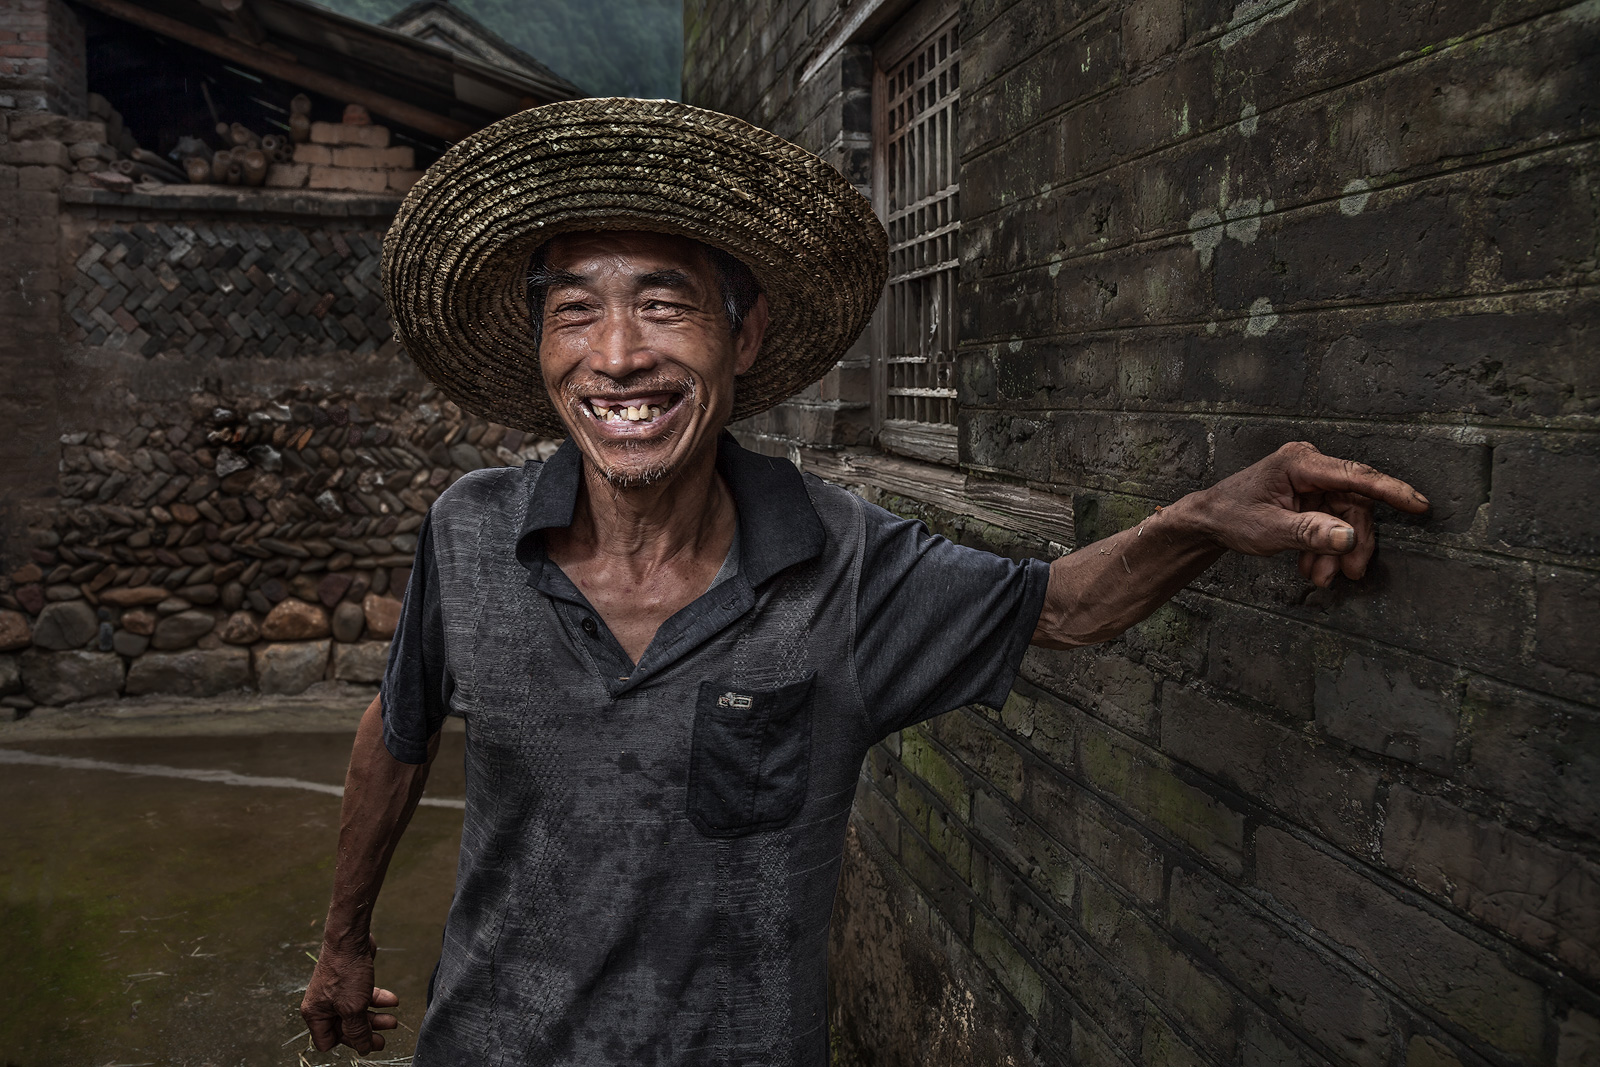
[(689, 513), (642, 554)]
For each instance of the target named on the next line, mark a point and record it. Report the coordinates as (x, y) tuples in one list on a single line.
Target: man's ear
[(747, 345)]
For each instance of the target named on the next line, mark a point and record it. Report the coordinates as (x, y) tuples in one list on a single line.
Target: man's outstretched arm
[(1296, 498), (380, 793)]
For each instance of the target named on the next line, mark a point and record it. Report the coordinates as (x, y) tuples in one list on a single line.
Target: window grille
[(919, 199)]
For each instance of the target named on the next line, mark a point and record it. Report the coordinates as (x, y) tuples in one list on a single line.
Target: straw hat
[(455, 261)]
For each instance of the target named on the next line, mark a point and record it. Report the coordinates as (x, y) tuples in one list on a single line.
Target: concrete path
[(166, 867)]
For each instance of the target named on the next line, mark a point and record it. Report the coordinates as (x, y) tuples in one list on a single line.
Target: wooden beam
[(1046, 516), (862, 20), (289, 71), (245, 24)]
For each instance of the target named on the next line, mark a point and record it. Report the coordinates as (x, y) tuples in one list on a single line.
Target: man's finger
[(1319, 533), (383, 998), (381, 1021), (1359, 515), (323, 1035), (1312, 472), (356, 1032)]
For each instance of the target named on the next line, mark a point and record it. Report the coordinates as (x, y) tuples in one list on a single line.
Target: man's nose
[(619, 347)]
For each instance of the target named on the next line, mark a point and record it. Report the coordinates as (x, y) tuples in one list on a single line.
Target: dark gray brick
[(1544, 489)]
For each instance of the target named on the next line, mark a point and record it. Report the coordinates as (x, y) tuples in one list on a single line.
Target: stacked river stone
[(243, 544)]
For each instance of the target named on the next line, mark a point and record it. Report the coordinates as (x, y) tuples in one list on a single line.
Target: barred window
[(918, 190)]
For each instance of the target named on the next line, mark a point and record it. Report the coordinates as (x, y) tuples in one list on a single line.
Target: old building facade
[(1137, 245), (216, 455)]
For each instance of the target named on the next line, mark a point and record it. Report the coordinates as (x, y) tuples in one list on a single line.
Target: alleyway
[(151, 918)]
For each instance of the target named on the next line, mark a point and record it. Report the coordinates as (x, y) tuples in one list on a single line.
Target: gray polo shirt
[(650, 849)]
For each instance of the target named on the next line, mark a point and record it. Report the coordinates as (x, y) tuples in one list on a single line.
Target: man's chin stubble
[(617, 479), (625, 476)]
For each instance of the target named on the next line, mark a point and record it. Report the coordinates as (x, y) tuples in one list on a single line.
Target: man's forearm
[(1296, 499), (380, 793), (1100, 590)]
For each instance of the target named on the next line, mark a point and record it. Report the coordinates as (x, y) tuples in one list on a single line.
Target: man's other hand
[(1298, 498), (337, 1000)]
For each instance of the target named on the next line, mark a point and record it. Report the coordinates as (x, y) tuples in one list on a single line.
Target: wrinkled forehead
[(586, 252)]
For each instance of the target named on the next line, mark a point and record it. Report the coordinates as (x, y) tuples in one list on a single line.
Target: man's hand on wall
[(338, 998), (1298, 498)]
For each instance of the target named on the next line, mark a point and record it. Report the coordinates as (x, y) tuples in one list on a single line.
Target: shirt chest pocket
[(750, 757)]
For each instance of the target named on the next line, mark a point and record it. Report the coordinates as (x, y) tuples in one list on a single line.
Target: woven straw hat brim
[(455, 261)]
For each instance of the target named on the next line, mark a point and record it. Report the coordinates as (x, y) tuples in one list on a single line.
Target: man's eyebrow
[(545, 278), (670, 278)]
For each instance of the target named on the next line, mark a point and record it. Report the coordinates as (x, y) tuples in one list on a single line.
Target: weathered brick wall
[(1271, 824), (241, 453), (41, 89), (217, 456), (41, 58)]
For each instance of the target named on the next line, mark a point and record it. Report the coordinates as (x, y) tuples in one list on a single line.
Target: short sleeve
[(938, 625), (416, 691)]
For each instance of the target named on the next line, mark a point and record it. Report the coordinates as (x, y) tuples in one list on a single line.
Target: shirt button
[(590, 628)]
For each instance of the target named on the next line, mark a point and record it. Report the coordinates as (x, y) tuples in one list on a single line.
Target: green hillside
[(609, 47)]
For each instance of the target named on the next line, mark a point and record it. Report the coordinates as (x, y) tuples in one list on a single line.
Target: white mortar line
[(195, 774)]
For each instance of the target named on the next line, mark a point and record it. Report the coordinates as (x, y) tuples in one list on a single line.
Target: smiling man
[(673, 654)]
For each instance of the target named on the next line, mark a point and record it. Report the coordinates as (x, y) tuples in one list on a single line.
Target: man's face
[(637, 354)]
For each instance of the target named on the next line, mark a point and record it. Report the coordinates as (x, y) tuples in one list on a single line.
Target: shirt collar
[(778, 526)]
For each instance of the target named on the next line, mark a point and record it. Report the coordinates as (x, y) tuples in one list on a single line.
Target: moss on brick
[(1201, 821), (983, 750), (1009, 965), (926, 762), (1161, 966), (946, 838)]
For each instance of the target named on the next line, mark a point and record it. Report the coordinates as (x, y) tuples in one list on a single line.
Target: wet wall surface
[(164, 921)]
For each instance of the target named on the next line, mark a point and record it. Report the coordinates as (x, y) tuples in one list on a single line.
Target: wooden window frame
[(931, 23)]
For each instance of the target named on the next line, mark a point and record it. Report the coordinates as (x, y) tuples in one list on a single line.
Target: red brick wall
[(41, 57), (41, 70)]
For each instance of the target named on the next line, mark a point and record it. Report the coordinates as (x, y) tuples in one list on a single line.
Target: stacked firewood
[(352, 155), (246, 155)]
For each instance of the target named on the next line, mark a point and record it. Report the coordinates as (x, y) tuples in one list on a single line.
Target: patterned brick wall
[(242, 454), (214, 289), (1271, 825)]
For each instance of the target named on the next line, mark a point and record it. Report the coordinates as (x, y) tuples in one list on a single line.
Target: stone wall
[(232, 542), (1271, 825), (227, 456)]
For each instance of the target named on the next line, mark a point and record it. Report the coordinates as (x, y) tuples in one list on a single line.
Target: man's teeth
[(628, 414)]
